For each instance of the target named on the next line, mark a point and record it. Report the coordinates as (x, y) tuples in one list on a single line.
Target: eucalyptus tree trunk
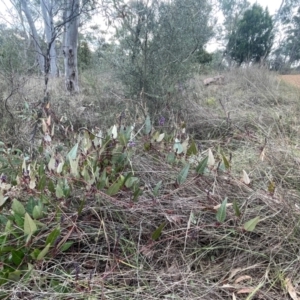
[(38, 50), (47, 7), (70, 44)]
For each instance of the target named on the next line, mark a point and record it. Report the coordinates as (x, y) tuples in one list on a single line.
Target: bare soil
[(292, 79)]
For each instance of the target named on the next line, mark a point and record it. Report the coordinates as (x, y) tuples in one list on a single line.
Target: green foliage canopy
[(253, 38)]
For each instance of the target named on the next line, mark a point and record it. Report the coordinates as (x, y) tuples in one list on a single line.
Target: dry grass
[(114, 256)]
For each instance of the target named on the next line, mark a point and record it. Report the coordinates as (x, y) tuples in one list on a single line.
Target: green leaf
[(226, 162), (221, 213), (115, 187), (102, 180), (18, 208), (29, 225), (17, 256), (181, 178), (73, 153), (136, 193), (66, 246), (178, 148), (2, 198), (236, 209), (157, 232), (74, 166), (130, 181), (59, 193), (192, 150), (171, 158), (44, 252), (148, 125), (156, 189), (51, 186), (42, 183), (251, 224), (51, 238), (37, 212), (200, 169)]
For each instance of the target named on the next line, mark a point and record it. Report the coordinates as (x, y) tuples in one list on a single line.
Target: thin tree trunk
[(47, 11), (38, 50), (71, 44)]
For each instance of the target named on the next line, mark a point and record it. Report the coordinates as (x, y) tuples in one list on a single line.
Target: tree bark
[(71, 44), (38, 50), (47, 11)]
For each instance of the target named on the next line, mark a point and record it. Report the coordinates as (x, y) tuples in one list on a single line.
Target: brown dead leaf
[(219, 205), (174, 218), (262, 154), (290, 288), (242, 278), (245, 291), (146, 251), (234, 272), (48, 122)]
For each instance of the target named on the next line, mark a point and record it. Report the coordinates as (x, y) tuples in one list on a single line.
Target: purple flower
[(131, 144), (161, 121), (3, 178)]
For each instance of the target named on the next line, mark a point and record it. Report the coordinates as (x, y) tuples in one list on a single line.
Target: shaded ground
[(292, 79)]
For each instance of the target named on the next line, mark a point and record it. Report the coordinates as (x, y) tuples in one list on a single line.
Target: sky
[(273, 5)]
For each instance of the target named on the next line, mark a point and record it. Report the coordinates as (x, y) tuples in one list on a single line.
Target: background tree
[(232, 11), (253, 38), (157, 42)]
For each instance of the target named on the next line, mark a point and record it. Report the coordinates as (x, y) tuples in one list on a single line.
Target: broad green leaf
[(200, 169), (73, 153), (17, 256), (44, 252), (226, 162), (102, 180), (66, 246), (236, 209), (130, 181), (30, 205), (18, 208), (59, 193), (178, 148), (29, 225), (221, 213), (51, 238), (42, 183), (2, 198), (19, 220), (171, 158), (116, 186), (74, 166), (192, 150), (157, 232), (51, 164), (156, 189), (51, 186), (181, 178), (136, 193), (37, 212), (251, 224), (148, 125)]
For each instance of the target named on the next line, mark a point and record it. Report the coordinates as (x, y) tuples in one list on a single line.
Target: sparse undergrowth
[(199, 207)]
